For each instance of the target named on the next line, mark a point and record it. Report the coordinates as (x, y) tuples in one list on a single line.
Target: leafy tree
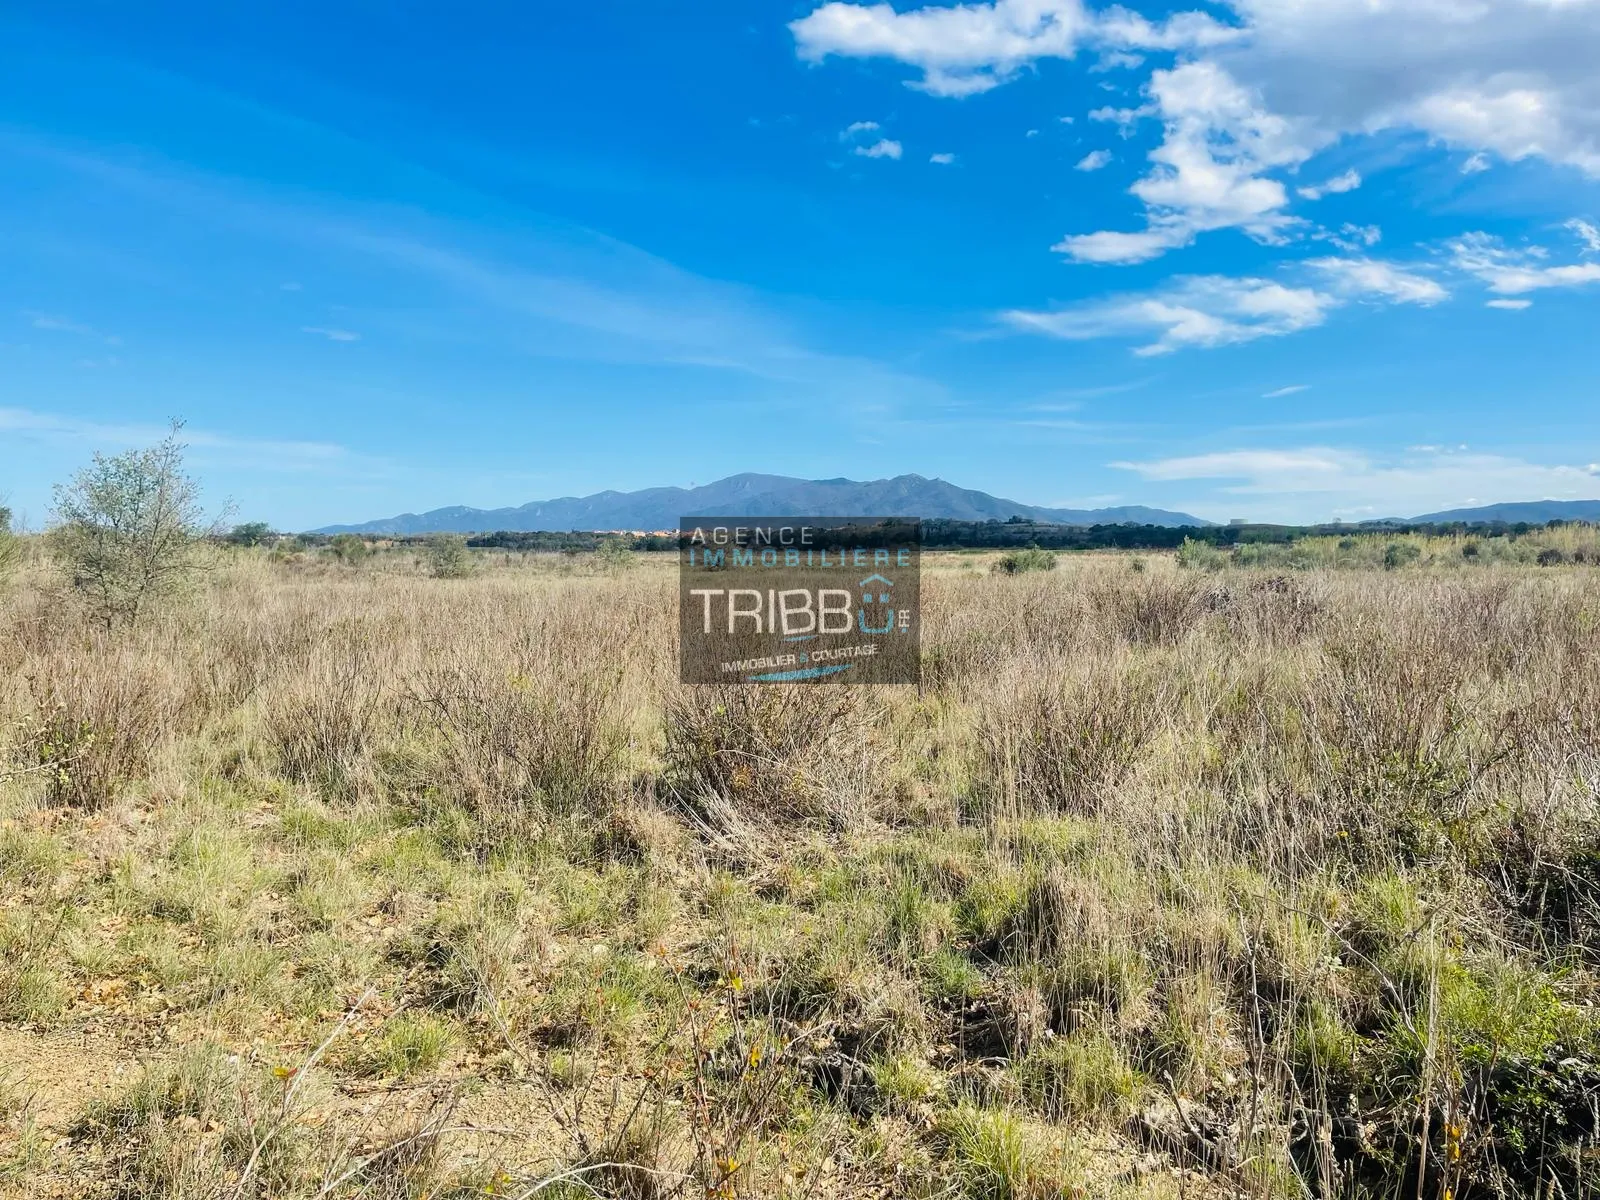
[(251, 533), (447, 556), (127, 529)]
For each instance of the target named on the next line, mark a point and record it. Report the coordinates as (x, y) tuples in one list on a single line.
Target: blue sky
[(1277, 259)]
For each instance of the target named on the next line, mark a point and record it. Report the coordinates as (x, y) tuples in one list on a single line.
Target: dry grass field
[(347, 881)]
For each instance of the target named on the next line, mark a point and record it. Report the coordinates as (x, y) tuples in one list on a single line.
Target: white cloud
[(969, 48), (1587, 233), (1197, 311), (1279, 393), (943, 160), (1422, 479), (856, 128), (60, 430), (1208, 311), (1366, 277), (1094, 160), (1347, 182), (1510, 272), (1509, 305), (333, 335), (882, 148), (1512, 79), (1208, 171)]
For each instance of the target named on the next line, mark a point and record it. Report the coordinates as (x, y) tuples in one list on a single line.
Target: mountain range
[(1535, 512), (751, 495)]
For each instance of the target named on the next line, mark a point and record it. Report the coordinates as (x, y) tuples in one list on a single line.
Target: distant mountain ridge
[(752, 495), (1534, 512)]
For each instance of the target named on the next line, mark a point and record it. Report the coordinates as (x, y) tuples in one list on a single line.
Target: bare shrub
[(1056, 737), (527, 733), (742, 760), (1150, 608), (96, 722), (321, 710)]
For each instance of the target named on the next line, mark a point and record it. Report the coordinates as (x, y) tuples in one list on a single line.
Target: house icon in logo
[(882, 589)]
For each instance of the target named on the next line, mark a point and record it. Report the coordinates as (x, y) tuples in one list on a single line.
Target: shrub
[(10, 545), (127, 529), (1196, 555), (447, 556), (1399, 554), (1019, 562), (350, 549), (614, 555)]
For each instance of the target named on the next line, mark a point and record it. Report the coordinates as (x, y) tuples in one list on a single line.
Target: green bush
[(128, 528), (1200, 556), (1019, 562), (10, 545), (447, 556)]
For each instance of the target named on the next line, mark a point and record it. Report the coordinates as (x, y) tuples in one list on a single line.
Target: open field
[(345, 880)]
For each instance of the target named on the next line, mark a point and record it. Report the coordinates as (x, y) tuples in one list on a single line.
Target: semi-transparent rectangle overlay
[(800, 600)]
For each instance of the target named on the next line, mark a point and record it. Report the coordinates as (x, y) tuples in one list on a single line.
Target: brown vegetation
[(378, 883)]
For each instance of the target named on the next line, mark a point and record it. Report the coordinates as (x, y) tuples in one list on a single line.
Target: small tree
[(447, 556), (10, 545), (614, 554), (127, 529), (251, 533)]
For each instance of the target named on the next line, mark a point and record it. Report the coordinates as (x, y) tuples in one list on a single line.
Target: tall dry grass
[(1287, 881)]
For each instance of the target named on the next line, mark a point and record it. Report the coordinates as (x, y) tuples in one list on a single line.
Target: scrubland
[(348, 881)]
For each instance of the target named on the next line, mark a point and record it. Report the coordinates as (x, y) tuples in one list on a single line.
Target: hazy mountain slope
[(1535, 512), (753, 495)]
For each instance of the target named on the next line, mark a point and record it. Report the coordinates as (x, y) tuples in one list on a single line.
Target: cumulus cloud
[(1509, 305), (1094, 160), (1347, 182), (965, 49), (1512, 272), (1209, 172), (856, 128), (943, 160), (882, 148), (1250, 101)]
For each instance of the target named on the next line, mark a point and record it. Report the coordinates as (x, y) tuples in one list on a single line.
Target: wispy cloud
[(52, 323), (1348, 182), (1318, 481), (333, 335), (1279, 393), (1509, 305), (59, 429), (1512, 272), (944, 160)]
